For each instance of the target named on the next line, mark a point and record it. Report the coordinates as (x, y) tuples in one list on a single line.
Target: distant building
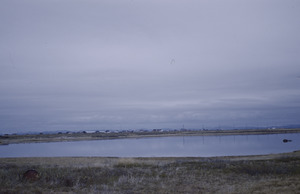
[(89, 131)]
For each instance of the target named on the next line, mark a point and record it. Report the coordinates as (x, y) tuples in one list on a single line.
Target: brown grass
[(153, 175)]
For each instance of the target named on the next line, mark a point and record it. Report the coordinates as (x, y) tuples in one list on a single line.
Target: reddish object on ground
[(31, 175)]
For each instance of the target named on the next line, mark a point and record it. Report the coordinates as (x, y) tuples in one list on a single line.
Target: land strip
[(84, 136)]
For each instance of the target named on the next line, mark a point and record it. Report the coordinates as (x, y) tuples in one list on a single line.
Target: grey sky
[(112, 64)]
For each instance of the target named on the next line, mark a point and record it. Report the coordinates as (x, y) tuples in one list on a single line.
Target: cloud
[(139, 64)]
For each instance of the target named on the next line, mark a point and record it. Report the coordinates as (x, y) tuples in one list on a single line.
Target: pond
[(180, 146)]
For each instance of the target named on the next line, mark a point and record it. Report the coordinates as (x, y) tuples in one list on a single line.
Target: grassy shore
[(278, 173), (38, 138)]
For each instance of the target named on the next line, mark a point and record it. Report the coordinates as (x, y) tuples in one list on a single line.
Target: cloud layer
[(148, 64)]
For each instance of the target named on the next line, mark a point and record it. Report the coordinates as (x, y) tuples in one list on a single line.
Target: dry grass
[(151, 175)]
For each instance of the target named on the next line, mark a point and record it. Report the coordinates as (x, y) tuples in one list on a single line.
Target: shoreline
[(99, 161), (45, 138)]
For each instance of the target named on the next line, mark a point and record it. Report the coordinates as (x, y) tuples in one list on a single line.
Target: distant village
[(139, 131), (128, 131), (110, 131)]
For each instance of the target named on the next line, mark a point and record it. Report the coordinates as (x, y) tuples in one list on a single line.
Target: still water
[(181, 146)]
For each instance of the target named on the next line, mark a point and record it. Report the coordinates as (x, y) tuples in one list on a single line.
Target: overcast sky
[(131, 64)]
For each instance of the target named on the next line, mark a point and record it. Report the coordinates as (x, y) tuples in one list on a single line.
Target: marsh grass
[(155, 176)]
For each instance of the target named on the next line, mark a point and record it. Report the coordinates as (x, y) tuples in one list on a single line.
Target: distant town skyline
[(111, 64)]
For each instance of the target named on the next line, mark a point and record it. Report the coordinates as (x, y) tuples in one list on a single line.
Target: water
[(181, 146)]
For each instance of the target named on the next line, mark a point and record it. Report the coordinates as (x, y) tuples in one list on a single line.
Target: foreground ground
[(279, 173)]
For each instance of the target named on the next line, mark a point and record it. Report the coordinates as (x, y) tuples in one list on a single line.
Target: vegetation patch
[(148, 175)]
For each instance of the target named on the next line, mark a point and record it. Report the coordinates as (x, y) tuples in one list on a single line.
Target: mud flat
[(83, 136), (276, 173)]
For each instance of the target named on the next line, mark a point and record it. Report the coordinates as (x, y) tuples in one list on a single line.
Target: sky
[(145, 64)]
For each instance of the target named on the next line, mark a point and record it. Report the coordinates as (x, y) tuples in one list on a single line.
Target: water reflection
[(184, 146)]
